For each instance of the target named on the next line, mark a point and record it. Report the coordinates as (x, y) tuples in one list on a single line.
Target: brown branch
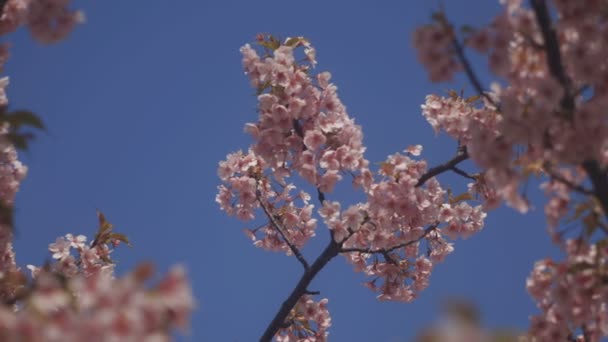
[(334, 248), (468, 70), (384, 251), (600, 182), (463, 173), (278, 321), (461, 156), (566, 182), (279, 228)]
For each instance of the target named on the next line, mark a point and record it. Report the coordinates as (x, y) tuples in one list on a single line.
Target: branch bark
[(328, 253), (461, 156), (277, 225), (334, 248)]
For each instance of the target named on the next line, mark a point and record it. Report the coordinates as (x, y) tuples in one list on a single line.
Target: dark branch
[(566, 182), (334, 248), (599, 181), (2, 4), (385, 251), (279, 228), (461, 156), (463, 173), (468, 69), (301, 288)]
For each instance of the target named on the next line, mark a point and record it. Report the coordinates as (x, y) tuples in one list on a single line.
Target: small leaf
[(120, 237), (293, 41), (467, 29), (20, 141), (579, 210), (262, 88), (472, 99), (535, 167), (465, 196), (24, 118)]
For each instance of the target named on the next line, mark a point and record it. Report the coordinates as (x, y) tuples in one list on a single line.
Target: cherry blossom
[(408, 220), (76, 296), (546, 118)]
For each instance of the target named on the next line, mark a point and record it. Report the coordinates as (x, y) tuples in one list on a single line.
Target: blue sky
[(142, 102)]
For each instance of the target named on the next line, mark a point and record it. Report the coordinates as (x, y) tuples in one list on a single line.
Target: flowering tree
[(77, 296), (544, 117)]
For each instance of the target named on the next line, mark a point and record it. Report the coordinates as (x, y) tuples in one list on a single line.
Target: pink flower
[(60, 248), (314, 139)]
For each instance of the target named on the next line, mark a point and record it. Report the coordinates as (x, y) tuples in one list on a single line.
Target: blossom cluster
[(77, 296), (397, 218), (436, 51), (546, 118), (12, 172), (303, 128), (49, 21), (571, 294), (308, 321)]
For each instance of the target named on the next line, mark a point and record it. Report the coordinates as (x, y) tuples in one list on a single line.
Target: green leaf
[(24, 118), (472, 99), (467, 29), (293, 41), (120, 237), (21, 141), (465, 196), (262, 88)]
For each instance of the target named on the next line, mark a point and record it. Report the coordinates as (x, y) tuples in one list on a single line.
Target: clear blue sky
[(144, 99)]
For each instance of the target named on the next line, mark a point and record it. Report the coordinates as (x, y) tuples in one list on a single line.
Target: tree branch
[(566, 182), (385, 251), (461, 156), (334, 248), (328, 253), (462, 173), (468, 69), (279, 228), (600, 182)]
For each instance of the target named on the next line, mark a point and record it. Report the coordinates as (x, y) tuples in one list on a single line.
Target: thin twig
[(279, 228), (566, 182), (468, 69), (463, 173), (383, 251)]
